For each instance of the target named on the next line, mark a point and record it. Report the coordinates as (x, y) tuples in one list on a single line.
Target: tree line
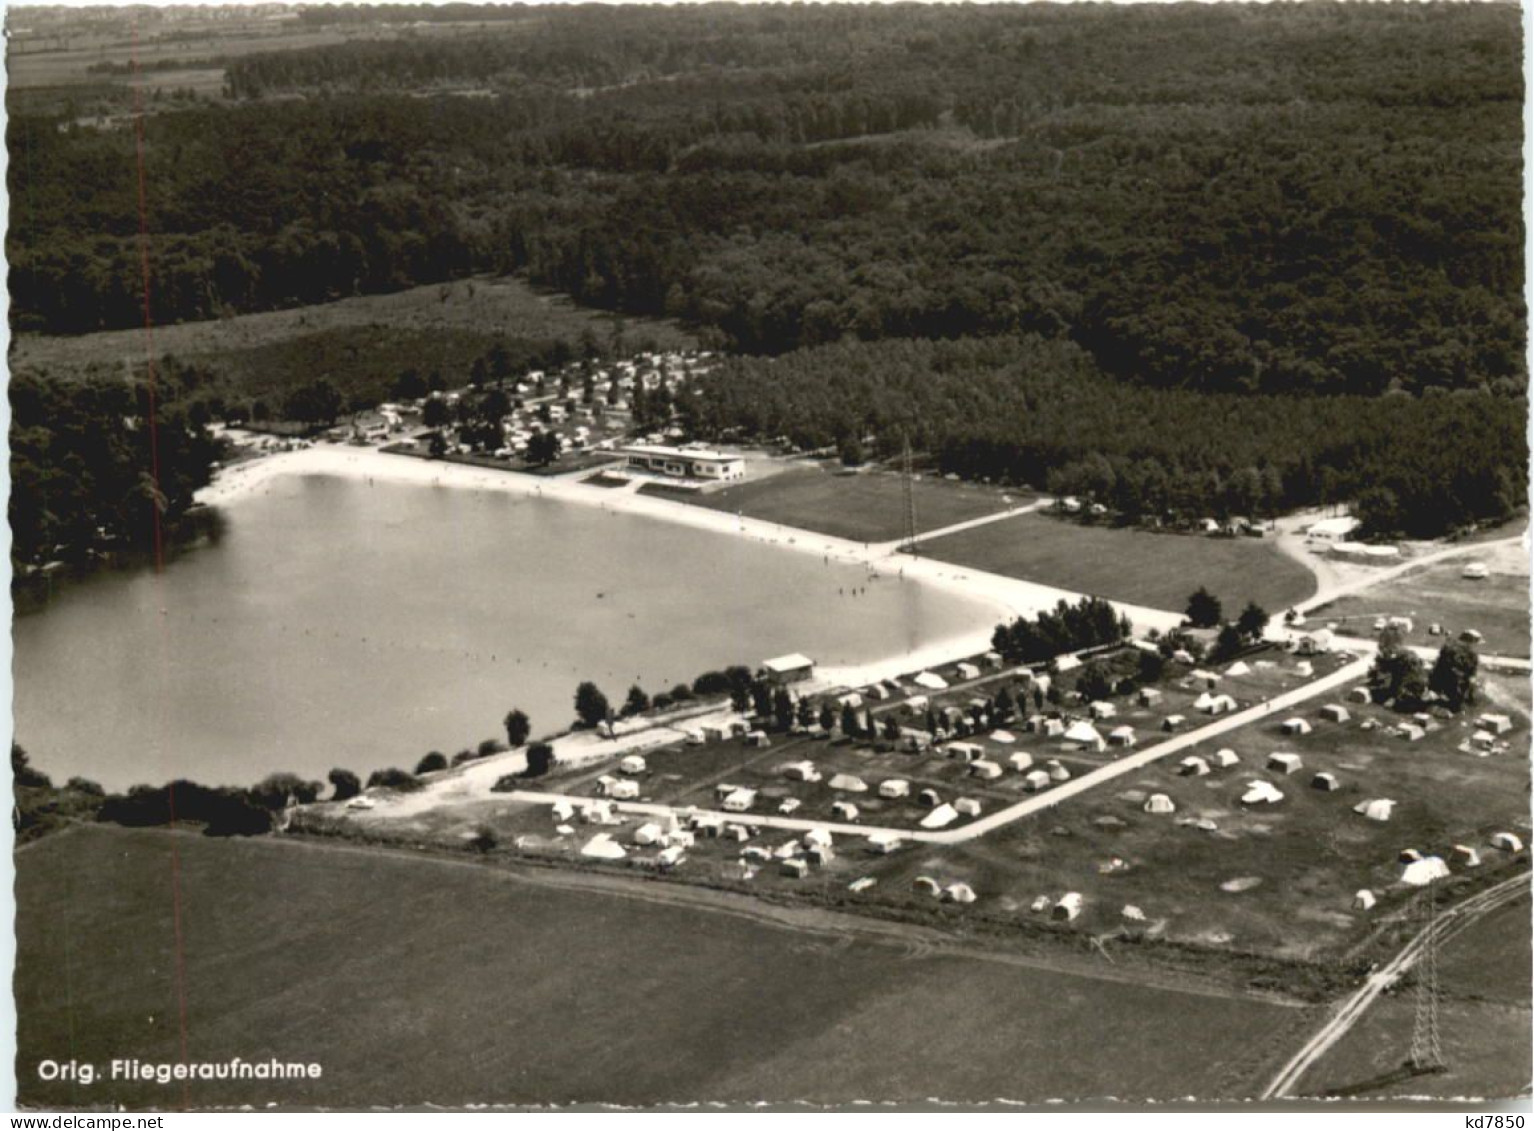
[(1029, 410)]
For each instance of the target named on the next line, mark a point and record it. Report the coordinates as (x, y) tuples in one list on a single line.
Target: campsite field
[(1143, 568), (865, 506), (1484, 1021), (361, 344), (1296, 865), (1497, 606), (414, 979)]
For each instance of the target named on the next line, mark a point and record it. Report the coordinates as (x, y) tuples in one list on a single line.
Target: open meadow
[(417, 979), (1143, 568), (360, 344), (862, 506)]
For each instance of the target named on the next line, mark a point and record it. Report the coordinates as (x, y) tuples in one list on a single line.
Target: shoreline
[(1004, 597)]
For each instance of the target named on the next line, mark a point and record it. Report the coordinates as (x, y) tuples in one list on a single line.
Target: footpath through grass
[(1136, 566), (415, 980)]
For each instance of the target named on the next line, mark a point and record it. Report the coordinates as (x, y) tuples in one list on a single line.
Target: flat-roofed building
[(684, 463)]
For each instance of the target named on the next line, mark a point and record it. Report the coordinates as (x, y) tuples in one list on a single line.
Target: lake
[(337, 623)]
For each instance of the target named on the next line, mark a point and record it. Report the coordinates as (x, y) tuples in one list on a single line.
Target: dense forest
[(1319, 198), (1215, 258), (86, 473), (1030, 410)]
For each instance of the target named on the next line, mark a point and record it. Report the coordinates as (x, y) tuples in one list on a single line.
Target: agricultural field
[(862, 506), (1484, 1022), (1497, 606), (510, 987), (1155, 570), (360, 344)]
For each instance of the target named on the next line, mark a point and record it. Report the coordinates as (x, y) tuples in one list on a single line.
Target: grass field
[(1484, 1022), (361, 344), (1496, 606), (420, 980), (868, 506), (1156, 570)]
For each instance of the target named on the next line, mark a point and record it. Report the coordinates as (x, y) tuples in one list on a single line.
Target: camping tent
[(633, 764), (1296, 726), (1020, 761), (844, 811), (1225, 758), (894, 788), (1326, 781), (849, 783), (1376, 810), (1122, 736), (1284, 763), (1057, 772), (883, 843), (1466, 857), (1261, 793), (967, 807), (958, 893), (1083, 734), (940, 817), (1036, 780), (603, 847), (1193, 766), (1160, 803), (930, 681), (1507, 842), (1240, 667), (1363, 900), (1424, 871), (1068, 906)]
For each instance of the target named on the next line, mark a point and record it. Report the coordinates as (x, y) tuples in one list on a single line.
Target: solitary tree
[(517, 728), (431, 763), (23, 773), (1095, 681), (827, 716), (543, 448), (435, 413), (1253, 621), (1398, 673), (783, 708), (1203, 609), (1229, 642), (344, 785), (1004, 704), (590, 705), (540, 759), (850, 720), (891, 728), (636, 703), (1453, 675)]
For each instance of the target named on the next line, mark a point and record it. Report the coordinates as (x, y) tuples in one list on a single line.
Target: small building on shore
[(791, 668), (684, 463)]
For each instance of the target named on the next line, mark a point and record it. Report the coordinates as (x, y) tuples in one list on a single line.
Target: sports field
[(1142, 568), (413, 980), (865, 506)]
